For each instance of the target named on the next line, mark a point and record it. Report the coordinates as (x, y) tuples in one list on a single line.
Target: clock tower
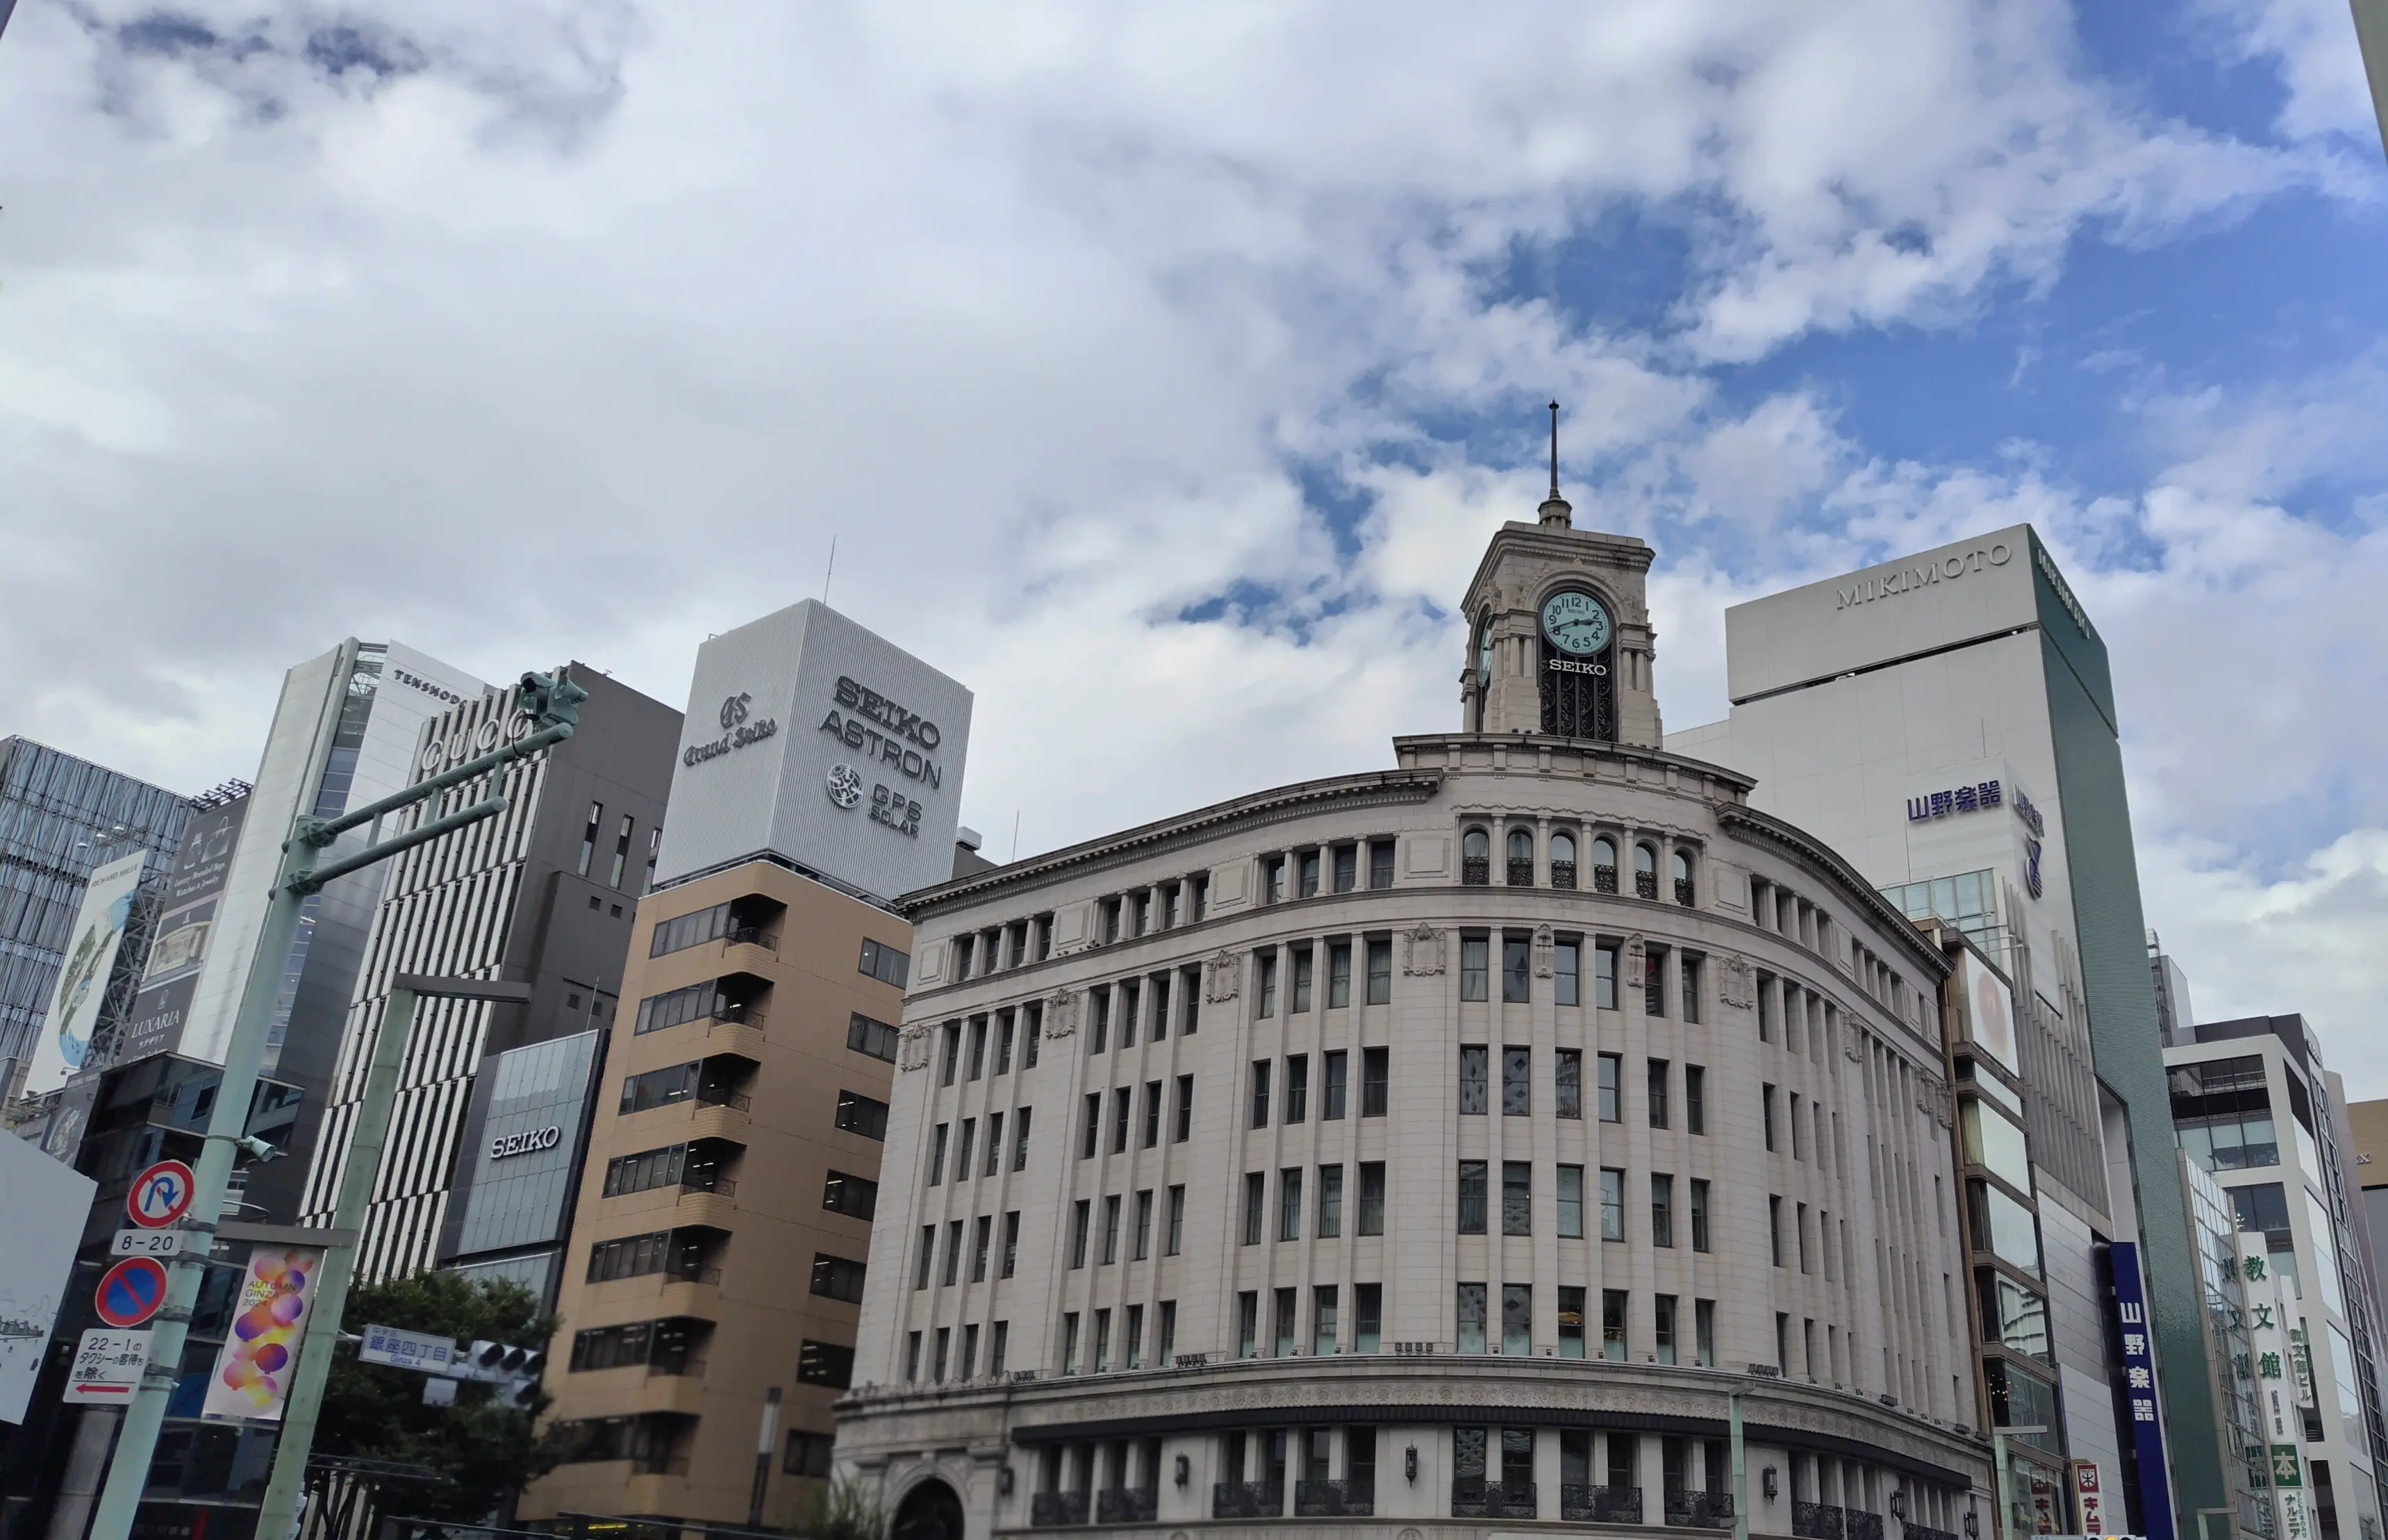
[(1559, 641)]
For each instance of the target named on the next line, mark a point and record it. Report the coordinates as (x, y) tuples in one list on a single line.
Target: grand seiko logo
[(736, 731)]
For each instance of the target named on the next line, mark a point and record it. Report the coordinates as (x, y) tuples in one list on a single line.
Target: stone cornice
[(1890, 922)]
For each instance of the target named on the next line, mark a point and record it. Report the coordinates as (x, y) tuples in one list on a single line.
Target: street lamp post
[(554, 705)]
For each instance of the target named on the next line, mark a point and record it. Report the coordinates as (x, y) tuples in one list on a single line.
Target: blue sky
[(1161, 373)]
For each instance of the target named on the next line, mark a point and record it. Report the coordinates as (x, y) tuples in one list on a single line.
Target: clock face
[(1576, 623)]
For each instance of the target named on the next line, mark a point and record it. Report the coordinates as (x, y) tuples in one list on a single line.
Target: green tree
[(478, 1451)]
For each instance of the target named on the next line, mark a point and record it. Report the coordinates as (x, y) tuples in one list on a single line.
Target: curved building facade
[(1533, 1133)]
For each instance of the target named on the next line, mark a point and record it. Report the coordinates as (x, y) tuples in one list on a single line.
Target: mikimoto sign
[(815, 740)]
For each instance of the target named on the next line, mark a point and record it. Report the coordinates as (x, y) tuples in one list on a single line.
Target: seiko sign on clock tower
[(1561, 642), (813, 739)]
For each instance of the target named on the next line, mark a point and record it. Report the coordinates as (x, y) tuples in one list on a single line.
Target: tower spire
[(1555, 511)]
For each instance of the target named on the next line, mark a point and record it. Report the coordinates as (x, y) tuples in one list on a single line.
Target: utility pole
[(553, 706)]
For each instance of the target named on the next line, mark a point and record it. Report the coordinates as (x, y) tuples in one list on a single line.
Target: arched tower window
[(1603, 865), (1521, 858), (1684, 877), (1476, 857), (1645, 872), (1576, 645), (1480, 659), (1563, 860)]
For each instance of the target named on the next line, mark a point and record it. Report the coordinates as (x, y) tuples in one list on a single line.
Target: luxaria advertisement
[(65, 1040), (186, 924)]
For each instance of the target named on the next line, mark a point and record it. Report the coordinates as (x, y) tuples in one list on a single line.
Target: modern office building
[(59, 818), (2371, 37), (542, 893), (2368, 1131), (1533, 1131), (736, 1143), (1946, 722), (2253, 1107)]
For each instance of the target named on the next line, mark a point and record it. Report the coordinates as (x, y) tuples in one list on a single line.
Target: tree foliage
[(479, 1450), (844, 1511)]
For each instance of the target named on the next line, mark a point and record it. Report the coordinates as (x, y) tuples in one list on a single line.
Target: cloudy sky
[(1160, 373)]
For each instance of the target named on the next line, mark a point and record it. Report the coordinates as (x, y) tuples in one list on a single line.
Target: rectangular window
[(1568, 1083), (1111, 1229), (1133, 1349), (1765, 1100), (1347, 868), (1030, 1039), (953, 1251), (1368, 1318), (1297, 1088), (1774, 1229), (1517, 1082), (1020, 1140), (809, 1454), (970, 1353), (1475, 967), (1255, 1205), (950, 1059), (1177, 1242), (855, 1196), (1695, 1099), (1185, 1110), (824, 1364), (1654, 981), (1612, 1330), (1285, 1323), (977, 1048), (1472, 1199), (1375, 1080), (1517, 970), (885, 964), (982, 1241), (1069, 1343), (662, 1087), (1662, 1209), (1165, 1338), (1265, 997), (1331, 1089), (1248, 1323), (997, 1340), (1090, 1137), (1516, 1198), (1662, 1327), (1567, 973), (1691, 989), (1571, 1203), (1612, 1203), (1380, 863), (994, 1145), (1380, 972), (1302, 979), (876, 1038), (1289, 1203), (1322, 1319), (1372, 1197), (1517, 1337), (1339, 975), (612, 1346), (962, 1150), (631, 1256), (589, 836), (1260, 1093), (1471, 1318), (693, 1004), (1122, 1118), (1800, 1232), (689, 930), (1330, 1201), (1099, 1019), (924, 1265), (1081, 1216), (1798, 1145), (1011, 1243), (1660, 1097), (648, 1170), (1475, 1079), (1704, 1331), (1611, 1104), (835, 1278), (1699, 1214), (1605, 975), (1571, 1327), (1151, 1114)]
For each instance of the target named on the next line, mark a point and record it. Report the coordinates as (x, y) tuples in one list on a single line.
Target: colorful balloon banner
[(251, 1379)]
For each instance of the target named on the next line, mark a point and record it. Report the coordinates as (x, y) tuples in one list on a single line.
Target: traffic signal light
[(511, 1369), (551, 698)]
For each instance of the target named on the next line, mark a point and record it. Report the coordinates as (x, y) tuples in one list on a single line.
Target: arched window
[(1521, 858), (1603, 865), (1684, 877), (1563, 860), (1476, 857), (1645, 872)]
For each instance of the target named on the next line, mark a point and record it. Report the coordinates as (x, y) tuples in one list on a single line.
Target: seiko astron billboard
[(811, 737)]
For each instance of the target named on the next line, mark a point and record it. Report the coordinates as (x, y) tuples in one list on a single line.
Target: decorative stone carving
[(1425, 951), (914, 1046), (1061, 1013), (1543, 951), (1223, 977), (1737, 982), (1632, 969)]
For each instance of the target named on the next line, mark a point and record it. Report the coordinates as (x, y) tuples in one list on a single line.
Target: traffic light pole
[(553, 702)]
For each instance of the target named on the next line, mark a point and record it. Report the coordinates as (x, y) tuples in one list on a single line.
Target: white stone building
[(1476, 1142)]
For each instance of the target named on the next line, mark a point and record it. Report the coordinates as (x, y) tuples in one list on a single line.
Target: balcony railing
[(1600, 1505), (1816, 1521), (1477, 1499), (1127, 1504), (1345, 1499), (1521, 873), (751, 935), (1247, 1500), (1863, 1525), (1645, 884), (1563, 874), (740, 1101), (659, 1465), (736, 1015), (1702, 1511), (687, 1366), (1603, 879), (1049, 1509), (725, 1186), (1476, 871), (1683, 891)]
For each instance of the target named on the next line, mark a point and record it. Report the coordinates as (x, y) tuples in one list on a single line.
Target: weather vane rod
[(1554, 449)]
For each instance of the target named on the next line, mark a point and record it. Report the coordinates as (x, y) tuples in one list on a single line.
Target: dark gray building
[(543, 894), (59, 817)]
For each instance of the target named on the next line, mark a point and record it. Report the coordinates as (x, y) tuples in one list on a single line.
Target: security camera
[(256, 1148)]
